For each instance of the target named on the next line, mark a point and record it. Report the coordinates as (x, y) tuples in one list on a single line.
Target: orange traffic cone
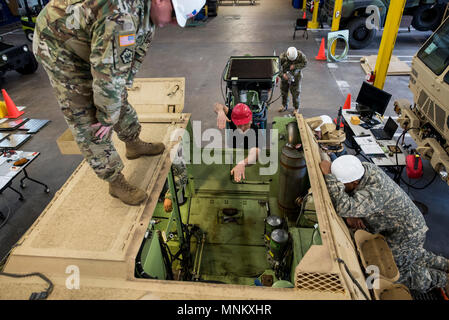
[(304, 15), (322, 53), (347, 104), (13, 112), (341, 123)]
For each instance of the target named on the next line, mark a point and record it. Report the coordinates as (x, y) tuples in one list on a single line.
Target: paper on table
[(371, 149), (365, 140), (11, 173), (4, 181)]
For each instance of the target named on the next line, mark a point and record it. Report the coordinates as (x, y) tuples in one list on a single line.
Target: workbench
[(353, 130), (8, 171)]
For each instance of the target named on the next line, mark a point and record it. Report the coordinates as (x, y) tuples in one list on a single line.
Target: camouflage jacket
[(384, 207), (299, 63), (106, 39)]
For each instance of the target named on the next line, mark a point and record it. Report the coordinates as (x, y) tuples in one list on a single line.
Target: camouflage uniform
[(179, 171), (180, 176), (91, 51), (295, 87), (386, 209)]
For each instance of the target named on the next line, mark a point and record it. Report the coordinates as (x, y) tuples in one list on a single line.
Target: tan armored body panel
[(84, 228)]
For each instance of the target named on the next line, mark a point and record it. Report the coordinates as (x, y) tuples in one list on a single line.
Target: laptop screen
[(390, 127), (375, 99)]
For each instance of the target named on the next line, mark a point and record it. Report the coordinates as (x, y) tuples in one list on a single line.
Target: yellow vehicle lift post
[(304, 5), (390, 33), (314, 24), (336, 20)]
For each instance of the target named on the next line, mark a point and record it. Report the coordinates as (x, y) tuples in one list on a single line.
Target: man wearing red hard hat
[(245, 134)]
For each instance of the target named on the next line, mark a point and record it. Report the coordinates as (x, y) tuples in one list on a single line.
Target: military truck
[(427, 119), (427, 15)]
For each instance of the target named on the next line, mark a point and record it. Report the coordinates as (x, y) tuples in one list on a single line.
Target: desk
[(8, 172), (357, 130)]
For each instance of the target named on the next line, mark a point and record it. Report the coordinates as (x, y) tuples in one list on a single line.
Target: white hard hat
[(347, 169), (292, 53), (186, 9), (324, 119)]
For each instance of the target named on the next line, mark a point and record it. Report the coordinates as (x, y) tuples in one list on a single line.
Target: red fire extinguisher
[(414, 166)]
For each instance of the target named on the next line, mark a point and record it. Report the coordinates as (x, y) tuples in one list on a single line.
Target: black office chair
[(301, 24)]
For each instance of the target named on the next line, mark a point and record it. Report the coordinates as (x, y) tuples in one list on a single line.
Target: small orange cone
[(347, 104), (13, 112), (322, 53), (304, 15), (341, 123)]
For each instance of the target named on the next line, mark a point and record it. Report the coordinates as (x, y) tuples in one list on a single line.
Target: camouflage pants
[(295, 90), (74, 94), (420, 269)]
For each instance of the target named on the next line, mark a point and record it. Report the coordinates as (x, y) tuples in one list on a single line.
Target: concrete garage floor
[(199, 54)]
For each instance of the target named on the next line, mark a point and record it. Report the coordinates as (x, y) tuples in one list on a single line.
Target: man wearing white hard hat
[(369, 199), (91, 51), (292, 62)]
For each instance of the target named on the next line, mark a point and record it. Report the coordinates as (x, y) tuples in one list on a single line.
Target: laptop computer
[(387, 132)]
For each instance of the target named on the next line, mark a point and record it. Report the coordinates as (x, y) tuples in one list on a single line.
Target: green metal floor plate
[(234, 260), (216, 179), (204, 212)]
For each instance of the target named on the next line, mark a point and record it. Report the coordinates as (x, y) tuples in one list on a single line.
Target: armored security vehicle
[(427, 118)]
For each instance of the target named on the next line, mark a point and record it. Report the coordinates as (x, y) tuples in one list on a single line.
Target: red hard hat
[(241, 114)]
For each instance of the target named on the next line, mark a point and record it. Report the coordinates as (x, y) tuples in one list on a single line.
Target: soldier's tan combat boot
[(137, 148), (129, 194)]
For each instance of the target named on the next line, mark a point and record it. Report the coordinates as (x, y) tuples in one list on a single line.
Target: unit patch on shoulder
[(126, 56)]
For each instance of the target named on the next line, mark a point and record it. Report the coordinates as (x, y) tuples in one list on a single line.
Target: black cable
[(353, 279), (35, 295), (271, 102), (423, 187), (221, 82), (165, 256)]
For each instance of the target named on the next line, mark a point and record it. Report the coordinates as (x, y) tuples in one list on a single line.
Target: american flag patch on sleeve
[(127, 40), (191, 15)]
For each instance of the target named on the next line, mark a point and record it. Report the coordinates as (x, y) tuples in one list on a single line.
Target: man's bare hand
[(285, 76), (168, 206), (292, 67), (102, 130), (325, 167), (238, 172), (355, 223), (222, 119)]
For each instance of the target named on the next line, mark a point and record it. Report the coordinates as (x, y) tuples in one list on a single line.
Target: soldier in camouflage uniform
[(91, 51), (179, 170), (375, 202), (180, 176), (292, 62)]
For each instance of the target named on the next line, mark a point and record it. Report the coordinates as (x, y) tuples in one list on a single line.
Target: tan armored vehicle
[(427, 119), (274, 236)]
